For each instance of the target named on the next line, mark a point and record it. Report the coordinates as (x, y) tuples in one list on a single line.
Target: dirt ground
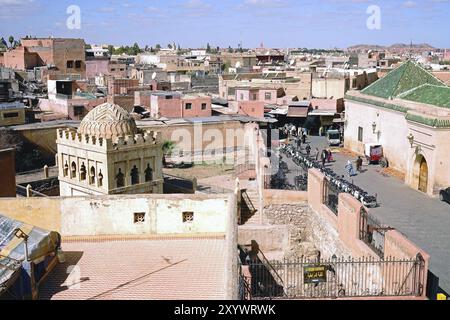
[(201, 171)]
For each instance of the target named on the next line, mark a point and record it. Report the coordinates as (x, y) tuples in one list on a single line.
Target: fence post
[(29, 191), (46, 175)]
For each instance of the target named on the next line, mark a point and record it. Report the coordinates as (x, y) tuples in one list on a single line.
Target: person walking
[(304, 138), (330, 156), (349, 168), (359, 163), (324, 157), (308, 150), (317, 154)]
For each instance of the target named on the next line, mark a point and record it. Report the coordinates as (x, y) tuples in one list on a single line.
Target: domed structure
[(108, 121)]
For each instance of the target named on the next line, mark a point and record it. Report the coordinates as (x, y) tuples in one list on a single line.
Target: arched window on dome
[(73, 173), (100, 179), (66, 170), (134, 176), (92, 176), (120, 179), (83, 172), (148, 173)]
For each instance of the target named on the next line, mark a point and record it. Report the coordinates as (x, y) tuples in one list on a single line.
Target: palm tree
[(11, 40), (167, 147)]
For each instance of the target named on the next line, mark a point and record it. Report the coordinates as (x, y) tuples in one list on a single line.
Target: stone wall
[(309, 233)]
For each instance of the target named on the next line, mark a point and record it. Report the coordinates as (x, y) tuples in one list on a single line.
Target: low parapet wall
[(124, 215), (272, 197)]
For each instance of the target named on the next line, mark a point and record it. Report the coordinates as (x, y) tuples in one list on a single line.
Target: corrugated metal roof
[(298, 112)]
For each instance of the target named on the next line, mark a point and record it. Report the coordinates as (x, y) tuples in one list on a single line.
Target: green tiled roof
[(432, 122), (436, 95), (406, 77), (385, 105)]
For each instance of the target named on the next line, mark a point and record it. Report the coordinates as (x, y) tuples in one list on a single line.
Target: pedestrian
[(317, 154), (330, 156), (359, 163), (308, 150), (304, 138), (349, 169), (324, 157)]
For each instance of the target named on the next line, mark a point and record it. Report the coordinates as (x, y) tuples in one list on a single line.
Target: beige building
[(108, 155), (408, 113), (12, 113)]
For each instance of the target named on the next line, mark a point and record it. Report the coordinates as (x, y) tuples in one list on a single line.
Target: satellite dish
[(154, 76), (238, 64)]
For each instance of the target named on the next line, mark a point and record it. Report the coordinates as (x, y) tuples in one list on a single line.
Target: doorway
[(423, 176)]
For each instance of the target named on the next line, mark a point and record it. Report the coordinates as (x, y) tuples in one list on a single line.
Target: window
[(78, 110), (242, 96), (120, 179), (92, 176), (360, 134), (11, 115), (204, 106), (188, 106), (148, 173), (69, 64), (113, 69), (268, 96), (100, 179), (169, 97), (83, 172), (188, 217), (73, 170), (255, 97), (139, 217), (134, 176), (66, 170), (78, 64)]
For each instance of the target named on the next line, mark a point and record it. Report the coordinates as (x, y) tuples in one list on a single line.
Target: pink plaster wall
[(251, 108), (96, 67)]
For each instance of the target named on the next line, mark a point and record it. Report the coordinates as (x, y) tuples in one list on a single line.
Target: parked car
[(444, 195), (333, 137)]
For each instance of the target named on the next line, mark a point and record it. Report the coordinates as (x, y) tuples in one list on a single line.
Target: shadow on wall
[(28, 155)]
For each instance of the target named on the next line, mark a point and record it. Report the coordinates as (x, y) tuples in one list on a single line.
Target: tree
[(11, 40), (158, 47), (167, 147), (230, 50), (111, 50), (208, 48), (135, 50), (169, 46)]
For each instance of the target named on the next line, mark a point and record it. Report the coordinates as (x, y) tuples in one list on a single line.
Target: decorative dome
[(108, 121)]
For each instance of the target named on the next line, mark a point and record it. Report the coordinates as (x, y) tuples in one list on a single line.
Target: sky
[(194, 23)]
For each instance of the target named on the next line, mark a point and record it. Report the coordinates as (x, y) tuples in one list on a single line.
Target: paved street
[(422, 219)]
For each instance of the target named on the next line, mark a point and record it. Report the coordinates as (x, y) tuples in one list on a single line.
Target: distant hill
[(394, 47)]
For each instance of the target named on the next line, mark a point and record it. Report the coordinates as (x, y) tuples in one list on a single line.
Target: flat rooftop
[(165, 269)]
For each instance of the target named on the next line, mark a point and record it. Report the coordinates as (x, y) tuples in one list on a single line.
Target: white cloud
[(409, 4), (265, 3), (13, 9)]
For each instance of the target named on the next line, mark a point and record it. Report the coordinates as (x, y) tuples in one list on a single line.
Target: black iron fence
[(335, 278), (372, 232), (331, 196)]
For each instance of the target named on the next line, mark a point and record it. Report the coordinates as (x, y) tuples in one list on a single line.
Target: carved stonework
[(108, 121)]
